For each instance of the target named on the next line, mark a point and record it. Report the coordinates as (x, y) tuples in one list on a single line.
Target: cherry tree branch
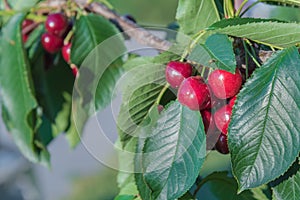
[(141, 35)]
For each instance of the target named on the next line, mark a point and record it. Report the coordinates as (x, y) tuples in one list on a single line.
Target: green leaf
[(54, 94), (172, 154), (282, 2), (107, 82), (126, 181), (140, 91), (19, 102), (224, 56), (90, 31), (269, 32), (219, 186), (264, 137), (200, 55), (96, 49), (125, 197), (215, 162), (194, 16), (289, 189), (211, 55)]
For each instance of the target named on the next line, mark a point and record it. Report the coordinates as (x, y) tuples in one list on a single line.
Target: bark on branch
[(141, 35)]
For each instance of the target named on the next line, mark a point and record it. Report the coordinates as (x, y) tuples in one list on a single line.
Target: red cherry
[(25, 37), (51, 43), (66, 52), (176, 72), (232, 101), (56, 24), (222, 145), (25, 24), (225, 84), (207, 120), (193, 93), (75, 71), (222, 118)]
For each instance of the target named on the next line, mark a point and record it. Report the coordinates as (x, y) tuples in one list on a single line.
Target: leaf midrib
[(267, 112), (175, 153)]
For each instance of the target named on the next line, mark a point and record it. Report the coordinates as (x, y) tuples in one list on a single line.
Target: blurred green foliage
[(98, 186), (148, 12)]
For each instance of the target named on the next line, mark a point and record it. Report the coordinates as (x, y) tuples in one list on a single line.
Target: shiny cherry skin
[(75, 71), (193, 93), (225, 84), (51, 43), (176, 72), (26, 23), (66, 52), (56, 23), (222, 144), (208, 120), (222, 118)]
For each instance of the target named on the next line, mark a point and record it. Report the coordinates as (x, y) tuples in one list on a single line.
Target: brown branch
[(141, 35)]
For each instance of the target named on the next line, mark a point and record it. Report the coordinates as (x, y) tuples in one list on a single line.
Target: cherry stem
[(241, 8), (29, 28), (247, 9), (192, 44), (246, 59), (162, 92), (68, 37)]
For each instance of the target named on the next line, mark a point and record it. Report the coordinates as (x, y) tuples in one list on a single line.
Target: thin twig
[(6, 5)]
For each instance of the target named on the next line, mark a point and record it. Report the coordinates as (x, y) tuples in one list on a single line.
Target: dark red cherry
[(25, 25), (75, 71), (222, 118), (66, 52), (56, 23), (176, 72), (232, 101), (208, 120), (225, 84), (193, 93), (51, 43), (222, 145)]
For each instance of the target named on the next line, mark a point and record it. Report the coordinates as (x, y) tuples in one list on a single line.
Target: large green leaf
[(224, 56), (211, 55), (289, 189), (196, 15), (90, 31), (139, 94), (53, 92), (264, 137), (268, 32), (220, 186), (171, 155), (96, 49), (19, 104)]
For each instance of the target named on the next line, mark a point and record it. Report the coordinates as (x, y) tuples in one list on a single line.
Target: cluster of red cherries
[(214, 99), (57, 26)]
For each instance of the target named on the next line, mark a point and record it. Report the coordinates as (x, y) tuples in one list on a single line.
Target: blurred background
[(75, 174)]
